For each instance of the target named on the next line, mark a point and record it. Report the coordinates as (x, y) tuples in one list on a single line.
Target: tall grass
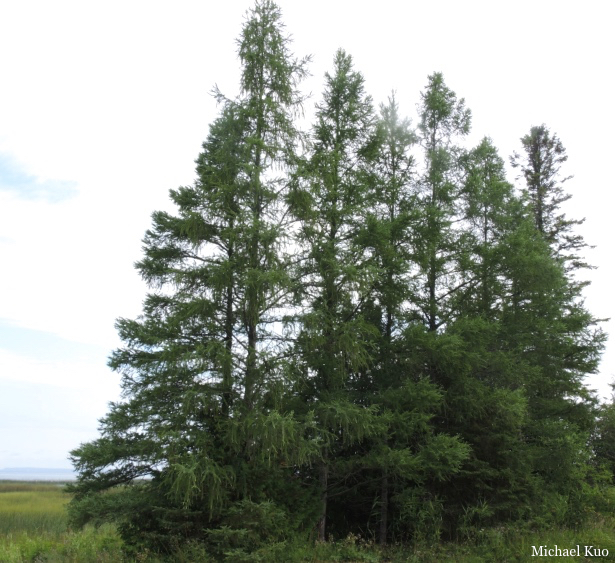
[(32, 508), (34, 527)]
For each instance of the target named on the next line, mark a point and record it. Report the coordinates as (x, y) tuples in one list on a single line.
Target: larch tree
[(443, 120), (330, 200), (366, 328), (540, 164), (488, 208), (388, 227), (201, 419), (399, 459), (270, 101)]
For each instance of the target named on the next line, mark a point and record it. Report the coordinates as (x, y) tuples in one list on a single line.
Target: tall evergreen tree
[(484, 395), (347, 340), (408, 449), (200, 369), (270, 100), (331, 201), (488, 210), (391, 466), (532, 344), (572, 346), (545, 322), (443, 118), (540, 165), (388, 228)]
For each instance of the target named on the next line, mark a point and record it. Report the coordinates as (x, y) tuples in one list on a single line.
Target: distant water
[(36, 474)]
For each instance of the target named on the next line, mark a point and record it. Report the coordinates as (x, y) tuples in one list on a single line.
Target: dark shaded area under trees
[(362, 329)]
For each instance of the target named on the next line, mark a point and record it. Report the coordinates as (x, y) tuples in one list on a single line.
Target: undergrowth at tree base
[(35, 529), (513, 543)]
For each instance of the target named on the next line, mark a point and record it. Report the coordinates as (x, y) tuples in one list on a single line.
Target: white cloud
[(15, 180)]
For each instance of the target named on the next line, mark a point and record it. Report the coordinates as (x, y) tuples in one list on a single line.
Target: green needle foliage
[(540, 166), (363, 330), (330, 202), (202, 420), (444, 119)]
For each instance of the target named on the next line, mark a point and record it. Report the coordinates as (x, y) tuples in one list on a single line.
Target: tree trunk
[(324, 481), (384, 507)]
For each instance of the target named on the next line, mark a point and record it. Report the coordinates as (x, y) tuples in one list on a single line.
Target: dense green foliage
[(363, 330)]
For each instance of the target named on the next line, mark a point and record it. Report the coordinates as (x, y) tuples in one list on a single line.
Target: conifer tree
[(270, 100), (533, 344), (488, 208), (557, 342), (443, 118), (348, 340), (388, 228), (540, 165), (409, 449), (483, 383), (331, 200), (201, 371), (390, 466), (575, 329)]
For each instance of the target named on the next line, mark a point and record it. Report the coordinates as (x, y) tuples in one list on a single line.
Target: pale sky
[(104, 106)]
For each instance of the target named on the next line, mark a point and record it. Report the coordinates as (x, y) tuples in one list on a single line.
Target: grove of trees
[(363, 328)]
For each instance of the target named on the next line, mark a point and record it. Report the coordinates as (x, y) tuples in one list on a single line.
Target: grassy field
[(34, 528), (32, 508)]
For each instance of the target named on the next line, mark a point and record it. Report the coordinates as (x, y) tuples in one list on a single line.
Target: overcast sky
[(103, 108)]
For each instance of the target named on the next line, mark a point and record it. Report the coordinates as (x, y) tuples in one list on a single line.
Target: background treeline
[(361, 329)]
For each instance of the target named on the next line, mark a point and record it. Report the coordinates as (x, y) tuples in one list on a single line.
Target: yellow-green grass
[(34, 527), (32, 508)]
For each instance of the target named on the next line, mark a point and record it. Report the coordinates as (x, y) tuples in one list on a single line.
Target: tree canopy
[(364, 328)]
